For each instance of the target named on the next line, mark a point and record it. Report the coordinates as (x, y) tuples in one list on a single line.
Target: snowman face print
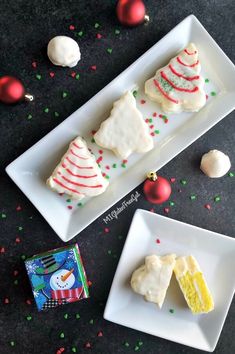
[(62, 279)]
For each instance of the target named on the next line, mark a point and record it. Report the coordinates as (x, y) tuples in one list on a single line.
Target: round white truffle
[(215, 164), (63, 51)]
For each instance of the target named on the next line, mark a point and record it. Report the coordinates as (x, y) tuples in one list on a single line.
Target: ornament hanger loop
[(152, 175)]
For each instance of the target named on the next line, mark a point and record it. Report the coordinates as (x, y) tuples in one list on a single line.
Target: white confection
[(215, 164), (153, 278), (168, 85), (125, 131), (78, 174), (63, 51)]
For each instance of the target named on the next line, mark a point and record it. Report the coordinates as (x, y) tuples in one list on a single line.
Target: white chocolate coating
[(215, 164), (63, 51), (78, 174), (153, 278), (168, 85), (125, 131)]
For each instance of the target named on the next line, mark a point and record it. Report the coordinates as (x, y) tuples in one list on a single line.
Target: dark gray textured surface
[(25, 28)]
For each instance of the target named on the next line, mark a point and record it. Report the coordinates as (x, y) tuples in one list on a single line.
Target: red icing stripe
[(80, 157), (81, 184), (75, 175), (78, 147), (163, 75), (189, 65), (81, 167), (156, 83), (65, 187), (189, 78), (195, 52)]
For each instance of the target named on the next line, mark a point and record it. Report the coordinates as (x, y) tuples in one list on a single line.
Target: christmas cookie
[(63, 51), (193, 285), (153, 278), (78, 174), (215, 164), (178, 86), (125, 131)]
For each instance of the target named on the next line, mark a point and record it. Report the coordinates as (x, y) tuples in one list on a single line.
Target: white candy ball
[(63, 51), (215, 164)]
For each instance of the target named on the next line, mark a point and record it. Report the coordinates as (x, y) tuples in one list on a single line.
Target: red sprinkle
[(93, 132), (166, 210), (158, 241), (2, 249), (70, 207), (18, 240), (98, 36), (18, 208), (89, 283), (34, 64), (99, 159), (60, 350), (179, 190), (107, 167), (152, 210), (151, 126), (73, 74), (100, 152), (103, 174), (166, 120), (88, 345), (6, 301), (15, 273), (28, 302), (154, 114), (100, 334), (124, 161), (152, 134), (206, 97), (172, 179), (207, 206), (160, 115), (52, 74), (93, 67), (106, 230), (142, 101), (146, 120), (72, 27)]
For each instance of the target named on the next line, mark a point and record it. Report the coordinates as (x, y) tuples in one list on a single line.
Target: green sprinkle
[(74, 349), (56, 114), (135, 93), (16, 282), (12, 343), (46, 110), (80, 34), (68, 200), (64, 94), (38, 77), (91, 321), (123, 165), (23, 257), (231, 174), (62, 335), (213, 93), (207, 80), (193, 197), (171, 310), (29, 318), (117, 31), (29, 116), (20, 228), (164, 117), (77, 316), (114, 256), (114, 165), (66, 316), (3, 216), (109, 50), (183, 182), (137, 348), (171, 203), (157, 131), (120, 237), (77, 77), (93, 140), (97, 25), (140, 343), (107, 177), (217, 198), (150, 120), (126, 344), (80, 204), (109, 252)]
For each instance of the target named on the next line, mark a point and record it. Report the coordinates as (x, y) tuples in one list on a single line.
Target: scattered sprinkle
[(93, 67), (77, 316), (135, 93), (136, 348), (3, 215), (206, 81), (16, 282), (109, 252), (142, 101), (193, 196), (66, 316), (46, 110), (140, 343), (207, 97), (20, 228), (123, 165), (68, 200), (183, 182), (2, 250), (34, 64), (213, 93), (28, 318), (72, 27), (172, 179), (62, 335), (28, 302), (69, 207), (100, 334), (109, 50), (87, 345), (23, 257), (217, 198), (98, 36), (6, 301), (17, 240), (114, 165), (207, 206), (158, 240), (157, 131), (91, 321), (74, 349), (231, 174), (60, 350), (56, 114), (117, 31), (120, 237), (52, 74), (154, 114), (166, 210), (38, 77), (106, 229), (80, 33), (64, 94), (171, 310), (97, 25), (172, 203), (12, 343), (126, 344)]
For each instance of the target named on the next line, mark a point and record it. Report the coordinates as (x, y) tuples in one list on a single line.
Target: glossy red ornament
[(11, 89), (157, 189), (130, 12)]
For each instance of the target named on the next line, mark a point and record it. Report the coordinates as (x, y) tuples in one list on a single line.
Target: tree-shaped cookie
[(124, 131), (78, 174), (178, 86)]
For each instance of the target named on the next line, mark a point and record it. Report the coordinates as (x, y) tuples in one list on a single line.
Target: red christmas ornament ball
[(11, 89), (158, 191), (130, 12)]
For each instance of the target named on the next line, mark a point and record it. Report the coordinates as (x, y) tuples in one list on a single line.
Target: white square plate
[(216, 256), (32, 168)]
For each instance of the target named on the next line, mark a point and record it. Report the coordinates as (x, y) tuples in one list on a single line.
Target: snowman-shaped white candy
[(63, 279)]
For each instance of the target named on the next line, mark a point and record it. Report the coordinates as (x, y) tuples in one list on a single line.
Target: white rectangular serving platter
[(32, 168), (155, 234)]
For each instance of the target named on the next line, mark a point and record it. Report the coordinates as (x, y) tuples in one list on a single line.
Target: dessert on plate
[(78, 175), (178, 86), (193, 285), (153, 278), (125, 131)]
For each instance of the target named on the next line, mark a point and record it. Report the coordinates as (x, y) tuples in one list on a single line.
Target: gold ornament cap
[(152, 175)]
